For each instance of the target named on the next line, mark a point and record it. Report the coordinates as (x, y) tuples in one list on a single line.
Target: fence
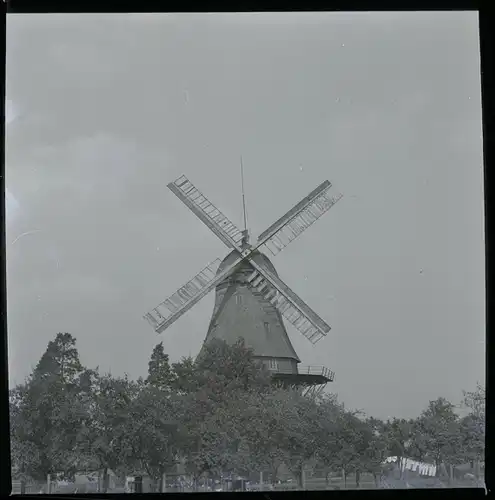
[(316, 481)]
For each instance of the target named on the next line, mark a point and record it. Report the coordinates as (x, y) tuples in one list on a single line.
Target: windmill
[(251, 300)]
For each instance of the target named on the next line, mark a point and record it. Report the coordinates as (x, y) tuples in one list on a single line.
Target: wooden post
[(105, 480), (164, 483), (261, 480), (303, 477), (48, 484), (138, 483)]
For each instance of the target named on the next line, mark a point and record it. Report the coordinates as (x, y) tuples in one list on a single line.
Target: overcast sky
[(105, 110)]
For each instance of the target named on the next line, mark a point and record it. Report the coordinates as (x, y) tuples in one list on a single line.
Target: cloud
[(77, 169)]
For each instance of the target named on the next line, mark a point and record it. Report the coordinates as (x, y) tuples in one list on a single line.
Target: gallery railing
[(310, 370)]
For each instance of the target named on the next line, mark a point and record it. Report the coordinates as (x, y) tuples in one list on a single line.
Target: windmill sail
[(298, 219), (226, 230), (172, 308), (160, 315), (291, 306)]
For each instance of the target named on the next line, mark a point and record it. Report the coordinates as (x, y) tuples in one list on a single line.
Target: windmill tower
[(250, 298)]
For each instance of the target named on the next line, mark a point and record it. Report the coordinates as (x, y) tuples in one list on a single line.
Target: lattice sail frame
[(300, 222), (274, 239), (183, 295)]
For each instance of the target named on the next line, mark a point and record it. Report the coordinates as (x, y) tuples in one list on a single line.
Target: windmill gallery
[(250, 297)]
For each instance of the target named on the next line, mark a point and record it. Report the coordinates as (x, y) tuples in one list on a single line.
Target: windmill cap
[(257, 256)]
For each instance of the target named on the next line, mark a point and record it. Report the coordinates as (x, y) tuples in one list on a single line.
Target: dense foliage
[(217, 415)]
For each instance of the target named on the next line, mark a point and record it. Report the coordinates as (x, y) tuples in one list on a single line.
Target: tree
[(213, 440), (472, 437), (45, 414), (211, 391), (439, 428), (351, 443), (185, 379), (156, 430), (418, 444), (268, 426), (230, 367), (160, 373), (298, 429), (304, 432), (284, 427), (377, 449), (472, 427), (25, 456), (476, 401), (398, 432), (328, 424), (60, 361), (109, 433)]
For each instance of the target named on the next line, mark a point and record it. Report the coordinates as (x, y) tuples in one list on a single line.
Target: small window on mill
[(273, 365)]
